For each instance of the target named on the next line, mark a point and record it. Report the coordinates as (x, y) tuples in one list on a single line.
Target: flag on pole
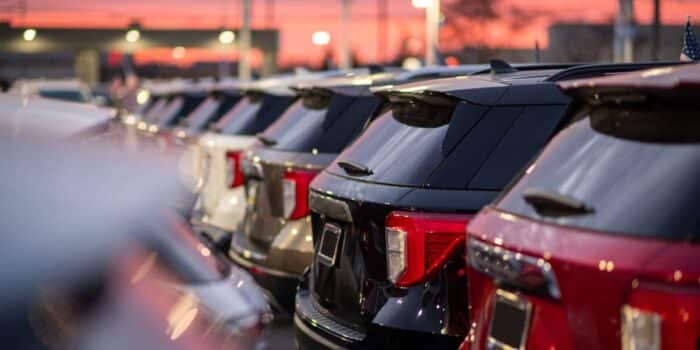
[(691, 48)]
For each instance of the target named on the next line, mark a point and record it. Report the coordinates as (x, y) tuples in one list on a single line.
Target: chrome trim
[(514, 300), (323, 258), (317, 338), (505, 266), (307, 311), (331, 207)]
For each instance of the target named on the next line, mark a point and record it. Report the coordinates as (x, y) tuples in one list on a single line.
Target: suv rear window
[(467, 147), (637, 169), (253, 113), (324, 125), (178, 108)]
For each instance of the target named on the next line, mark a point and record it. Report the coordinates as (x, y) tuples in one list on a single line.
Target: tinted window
[(152, 112), (476, 147), (169, 111), (201, 114), (175, 114), (326, 127), (66, 95), (637, 169), (526, 137), (252, 114)]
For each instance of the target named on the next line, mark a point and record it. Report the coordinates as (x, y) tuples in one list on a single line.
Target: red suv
[(595, 245)]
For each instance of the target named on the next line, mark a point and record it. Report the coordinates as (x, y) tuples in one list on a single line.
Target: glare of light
[(227, 37), (181, 134), (451, 61), (133, 35), (422, 4), (130, 120), (179, 52), (145, 268), (321, 38), (143, 96), (411, 63), (153, 128), (142, 125), (29, 34), (204, 250), (183, 323)]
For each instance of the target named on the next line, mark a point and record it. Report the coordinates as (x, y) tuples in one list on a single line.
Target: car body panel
[(221, 206)]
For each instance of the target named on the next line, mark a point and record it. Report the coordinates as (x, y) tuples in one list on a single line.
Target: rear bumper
[(277, 267), (220, 238), (279, 285), (314, 330)]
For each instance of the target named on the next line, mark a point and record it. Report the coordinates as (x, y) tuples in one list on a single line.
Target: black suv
[(389, 215), (274, 240)]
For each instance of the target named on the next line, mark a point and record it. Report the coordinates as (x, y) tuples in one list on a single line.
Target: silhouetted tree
[(469, 21)]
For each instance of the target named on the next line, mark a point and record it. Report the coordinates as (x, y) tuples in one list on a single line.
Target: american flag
[(691, 48)]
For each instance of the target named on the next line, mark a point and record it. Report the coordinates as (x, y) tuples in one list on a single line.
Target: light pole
[(244, 44), (625, 32), (345, 61), (432, 28)]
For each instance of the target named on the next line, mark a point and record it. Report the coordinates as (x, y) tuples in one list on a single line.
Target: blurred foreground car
[(274, 239), (48, 120), (66, 90), (595, 245), (389, 215), (91, 259)]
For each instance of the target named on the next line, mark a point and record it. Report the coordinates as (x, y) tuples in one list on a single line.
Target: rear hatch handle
[(266, 140), (354, 169), (552, 204)]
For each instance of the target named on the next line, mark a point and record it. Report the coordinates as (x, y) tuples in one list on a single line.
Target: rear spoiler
[(597, 70)]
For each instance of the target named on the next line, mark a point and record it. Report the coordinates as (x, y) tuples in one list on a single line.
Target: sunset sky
[(298, 19)]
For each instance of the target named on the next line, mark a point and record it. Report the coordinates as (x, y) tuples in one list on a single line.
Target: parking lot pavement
[(280, 334)]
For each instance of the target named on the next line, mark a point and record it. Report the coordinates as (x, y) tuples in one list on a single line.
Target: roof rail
[(520, 67), (500, 67), (593, 70)]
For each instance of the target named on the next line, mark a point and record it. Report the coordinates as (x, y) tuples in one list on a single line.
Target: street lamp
[(132, 35), (421, 4), (179, 52), (432, 28), (321, 38), (29, 34), (226, 37)]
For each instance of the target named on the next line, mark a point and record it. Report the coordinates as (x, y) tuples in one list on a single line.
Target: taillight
[(295, 191), (418, 244), (234, 175), (660, 316)]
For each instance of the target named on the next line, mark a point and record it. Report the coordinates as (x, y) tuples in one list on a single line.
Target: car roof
[(358, 84), (282, 85), (510, 85), (49, 118)]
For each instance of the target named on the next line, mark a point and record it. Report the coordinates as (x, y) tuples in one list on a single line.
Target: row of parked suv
[(496, 207)]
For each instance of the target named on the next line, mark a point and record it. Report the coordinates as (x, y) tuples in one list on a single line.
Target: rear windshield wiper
[(266, 140), (553, 204), (353, 168)]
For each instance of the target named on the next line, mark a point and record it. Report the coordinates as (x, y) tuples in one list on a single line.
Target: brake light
[(418, 244), (234, 174), (661, 317), (295, 190)]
